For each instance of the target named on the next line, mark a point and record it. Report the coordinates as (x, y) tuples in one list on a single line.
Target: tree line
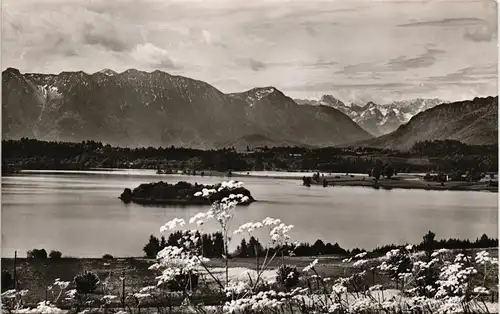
[(445, 155), (212, 245)]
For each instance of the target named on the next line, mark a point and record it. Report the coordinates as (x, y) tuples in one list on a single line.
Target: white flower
[(172, 224), (248, 227), (9, 294), (334, 307), (268, 221), (481, 290), (439, 252), (360, 255), (361, 262), (339, 288), (71, 293), (141, 295), (200, 218), (61, 284), (482, 257), (43, 307), (236, 288), (279, 234), (310, 266), (147, 289), (375, 287)]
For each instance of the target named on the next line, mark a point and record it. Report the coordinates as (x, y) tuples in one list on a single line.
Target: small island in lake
[(181, 193)]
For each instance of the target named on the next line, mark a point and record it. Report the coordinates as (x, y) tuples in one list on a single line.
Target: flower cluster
[(230, 185), (176, 261), (60, 284), (310, 266), (200, 218), (278, 231), (205, 192), (43, 307), (236, 288), (279, 234), (172, 224), (248, 227), (483, 258), (262, 301)]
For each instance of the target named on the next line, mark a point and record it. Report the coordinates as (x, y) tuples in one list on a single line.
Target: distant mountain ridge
[(377, 119), (137, 108), (473, 122)]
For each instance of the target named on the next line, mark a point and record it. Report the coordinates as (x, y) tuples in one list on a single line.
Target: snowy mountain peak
[(375, 118), (263, 92), (107, 72)]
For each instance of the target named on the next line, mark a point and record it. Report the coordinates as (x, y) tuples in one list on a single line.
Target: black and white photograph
[(249, 156)]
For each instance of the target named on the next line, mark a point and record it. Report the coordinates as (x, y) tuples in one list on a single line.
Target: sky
[(355, 50)]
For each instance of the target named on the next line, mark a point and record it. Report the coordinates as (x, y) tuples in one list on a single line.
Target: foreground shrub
[(183, 282), (288, 276), (86, 282), (107, 257), (37, 254), (55, 255), (7, 280)]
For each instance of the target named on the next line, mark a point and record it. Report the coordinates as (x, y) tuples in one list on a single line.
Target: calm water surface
[(78, 213)]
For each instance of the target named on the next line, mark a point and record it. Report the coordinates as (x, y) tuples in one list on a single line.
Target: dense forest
[(212, 245), (447, 156)]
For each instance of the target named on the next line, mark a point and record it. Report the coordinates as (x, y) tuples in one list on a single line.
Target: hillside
[(474, 122), (137, 108)]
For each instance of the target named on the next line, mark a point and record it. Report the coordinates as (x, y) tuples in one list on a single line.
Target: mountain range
[(472, 122), (137, 108), (377, 119)]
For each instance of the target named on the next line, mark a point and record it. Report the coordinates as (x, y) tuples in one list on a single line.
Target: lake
[(79, 214)]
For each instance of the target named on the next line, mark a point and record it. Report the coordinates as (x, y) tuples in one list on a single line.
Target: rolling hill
[(473, 122)]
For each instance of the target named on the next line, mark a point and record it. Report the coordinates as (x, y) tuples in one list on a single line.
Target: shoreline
[(407, 182), (389, 184)]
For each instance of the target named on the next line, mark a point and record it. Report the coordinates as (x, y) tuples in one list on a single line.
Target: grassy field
[(36, 276)]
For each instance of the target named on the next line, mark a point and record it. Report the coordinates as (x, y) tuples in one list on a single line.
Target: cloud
[(468, 74), (321, 63), (154, 57), (256, 65), (401, 63), (334, 86), (106, 37), (383, 48), (404, 63), (481, 33), (253, 64), (474, 29), (446, 22)]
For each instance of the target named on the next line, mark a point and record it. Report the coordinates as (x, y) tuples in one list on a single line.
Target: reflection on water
[(80, 215)]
